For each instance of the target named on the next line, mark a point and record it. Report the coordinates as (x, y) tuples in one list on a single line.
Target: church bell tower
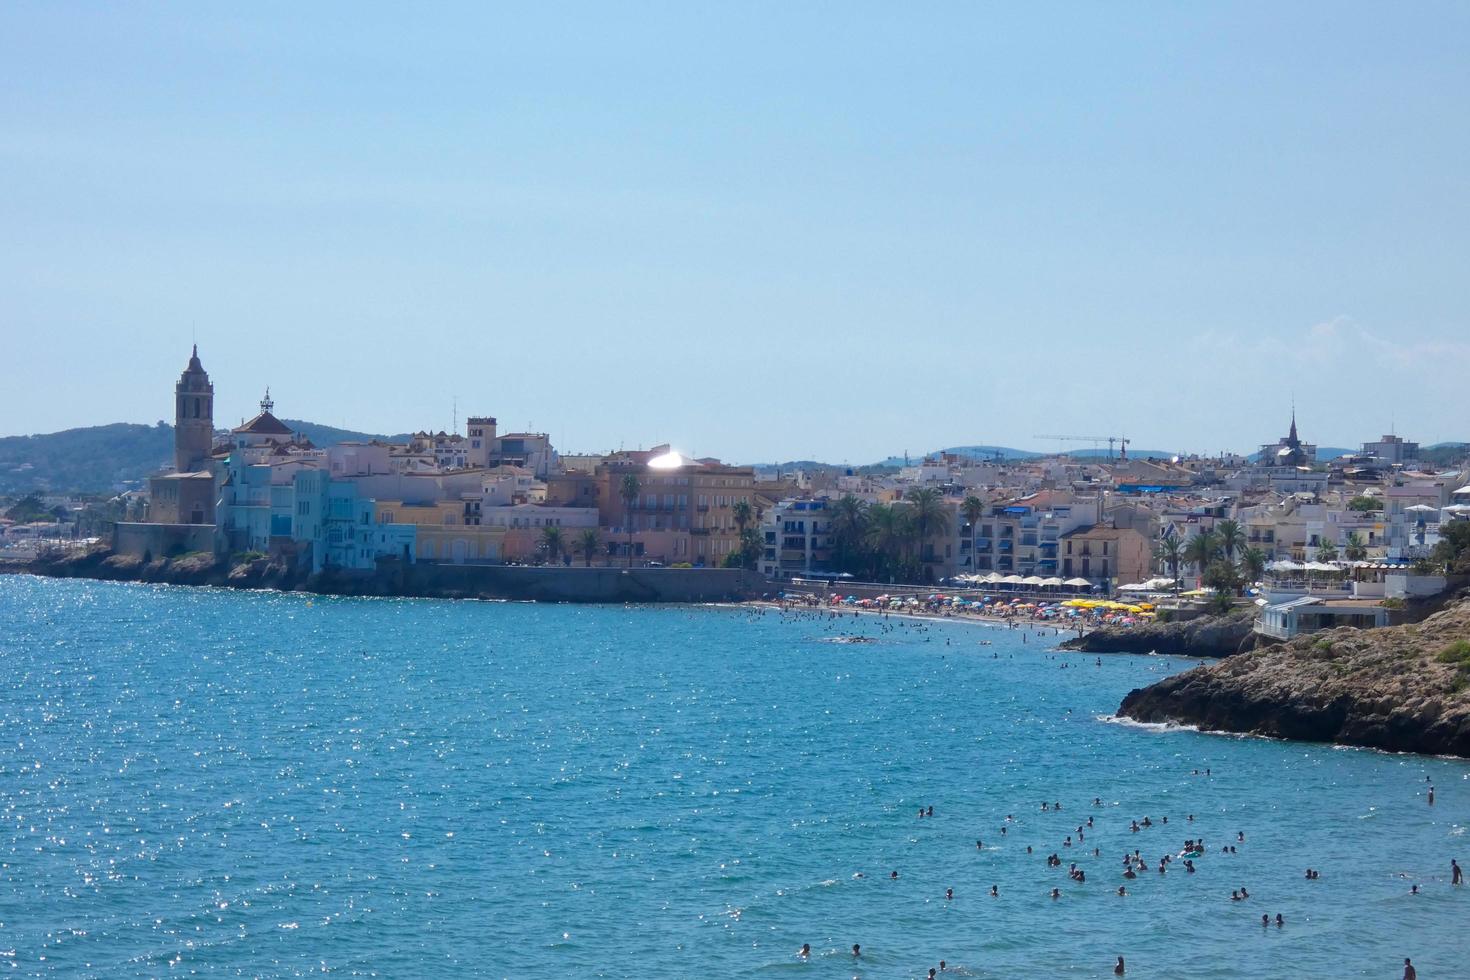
[(193, 417)]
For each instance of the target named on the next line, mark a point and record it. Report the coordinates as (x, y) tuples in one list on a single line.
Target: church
[(182, 500)]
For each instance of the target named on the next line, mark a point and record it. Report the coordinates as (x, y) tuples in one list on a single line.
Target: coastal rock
[(1205, 636), (1400, 688)]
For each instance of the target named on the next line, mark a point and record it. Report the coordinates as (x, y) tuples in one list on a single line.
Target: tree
[(848, 523), (588, 544), (552, 541), (1326, 550), (1253, 563), (1222, 577), (749, 552), (629, 489), (1170, 552), (1452, 554), (1202, 549), (973, 508), (888, 530), (928, 515), (743, 513), (1231, 537), (1353, 548), (1364, 505)]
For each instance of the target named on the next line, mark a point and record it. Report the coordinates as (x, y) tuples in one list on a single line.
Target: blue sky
[(756, 231)]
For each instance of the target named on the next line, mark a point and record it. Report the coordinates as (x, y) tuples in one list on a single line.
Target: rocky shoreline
[(1398, 688), (1205, 636)]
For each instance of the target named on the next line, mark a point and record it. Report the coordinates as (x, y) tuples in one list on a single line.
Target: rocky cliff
[(1206, 636), (1401, 688)]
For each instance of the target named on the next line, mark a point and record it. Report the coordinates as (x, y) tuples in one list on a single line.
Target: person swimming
[(1235, 896), (949, 894), (893, 876), (1119, 969), (1056, 893), (1409, 972), (994, 891), (857, 950), (1122, 891), (1279, 920), (806, 950), (1265, 920), (1457, 877)]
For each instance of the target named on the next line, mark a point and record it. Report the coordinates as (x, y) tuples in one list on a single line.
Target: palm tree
[(928, 515), (588, 544), (552, 541), (1354, 548), (1202, 549), (1231, 537), (629, 490), (1326, 550), (847, 522), (888, 532), (1253, 561), (973, 508), (742, 512), (1170, 551)]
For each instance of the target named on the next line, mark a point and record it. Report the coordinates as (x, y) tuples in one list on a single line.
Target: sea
[(205, 782)]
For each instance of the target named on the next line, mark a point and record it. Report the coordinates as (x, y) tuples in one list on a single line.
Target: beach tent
[(1032, 580), (1012, 580), (1077, 583), (1052, 581)]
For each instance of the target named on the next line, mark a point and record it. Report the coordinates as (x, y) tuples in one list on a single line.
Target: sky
[(755, 231)]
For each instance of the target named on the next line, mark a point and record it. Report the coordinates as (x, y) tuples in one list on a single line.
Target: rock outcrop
[(1205, 636), (1400, 688)]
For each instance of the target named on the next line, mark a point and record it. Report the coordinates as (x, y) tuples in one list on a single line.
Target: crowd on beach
[(1070, 614)]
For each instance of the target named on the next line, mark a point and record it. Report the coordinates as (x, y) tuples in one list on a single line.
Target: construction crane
[(1097, 441)]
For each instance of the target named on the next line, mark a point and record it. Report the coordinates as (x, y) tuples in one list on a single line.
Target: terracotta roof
[(265, 424)]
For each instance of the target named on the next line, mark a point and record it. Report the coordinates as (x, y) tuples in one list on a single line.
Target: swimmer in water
[(995, 891), (1279, 920), (1414, 890), (806, 950), (893, 876), (857, 950), (1409, 972), (1122, 891), (1056, 893), (1457, 877), (1431, 796), (1265, 920), (1119, 969), (929, 812), (949, 894)]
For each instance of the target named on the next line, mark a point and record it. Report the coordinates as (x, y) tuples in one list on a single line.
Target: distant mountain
[(99, 458), (326, 435)]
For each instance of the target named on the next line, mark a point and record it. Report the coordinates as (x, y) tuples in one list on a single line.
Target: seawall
[(424, 580)]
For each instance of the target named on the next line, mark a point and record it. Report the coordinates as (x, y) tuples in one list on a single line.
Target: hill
[(102, 458)]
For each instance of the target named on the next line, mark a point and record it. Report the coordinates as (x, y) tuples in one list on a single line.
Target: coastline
[(595, 584)]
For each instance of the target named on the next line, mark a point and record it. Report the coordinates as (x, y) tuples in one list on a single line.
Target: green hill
[(101, 458)]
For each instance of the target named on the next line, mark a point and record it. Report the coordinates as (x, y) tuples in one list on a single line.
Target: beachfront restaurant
[(1313, 613)]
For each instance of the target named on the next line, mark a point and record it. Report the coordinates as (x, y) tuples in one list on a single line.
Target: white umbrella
[(1051, 581), (1463, 491), (1012, 580), (1033, 580), (1420, 509), (1284, 566), (1078, 583)]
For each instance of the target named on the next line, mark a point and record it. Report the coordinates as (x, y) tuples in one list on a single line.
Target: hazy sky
[(757, 232)]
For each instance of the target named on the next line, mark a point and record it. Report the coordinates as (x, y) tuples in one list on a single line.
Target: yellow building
[(442, 533)]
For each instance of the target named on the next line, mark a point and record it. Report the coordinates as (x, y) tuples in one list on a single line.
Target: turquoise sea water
[(197, 781)]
